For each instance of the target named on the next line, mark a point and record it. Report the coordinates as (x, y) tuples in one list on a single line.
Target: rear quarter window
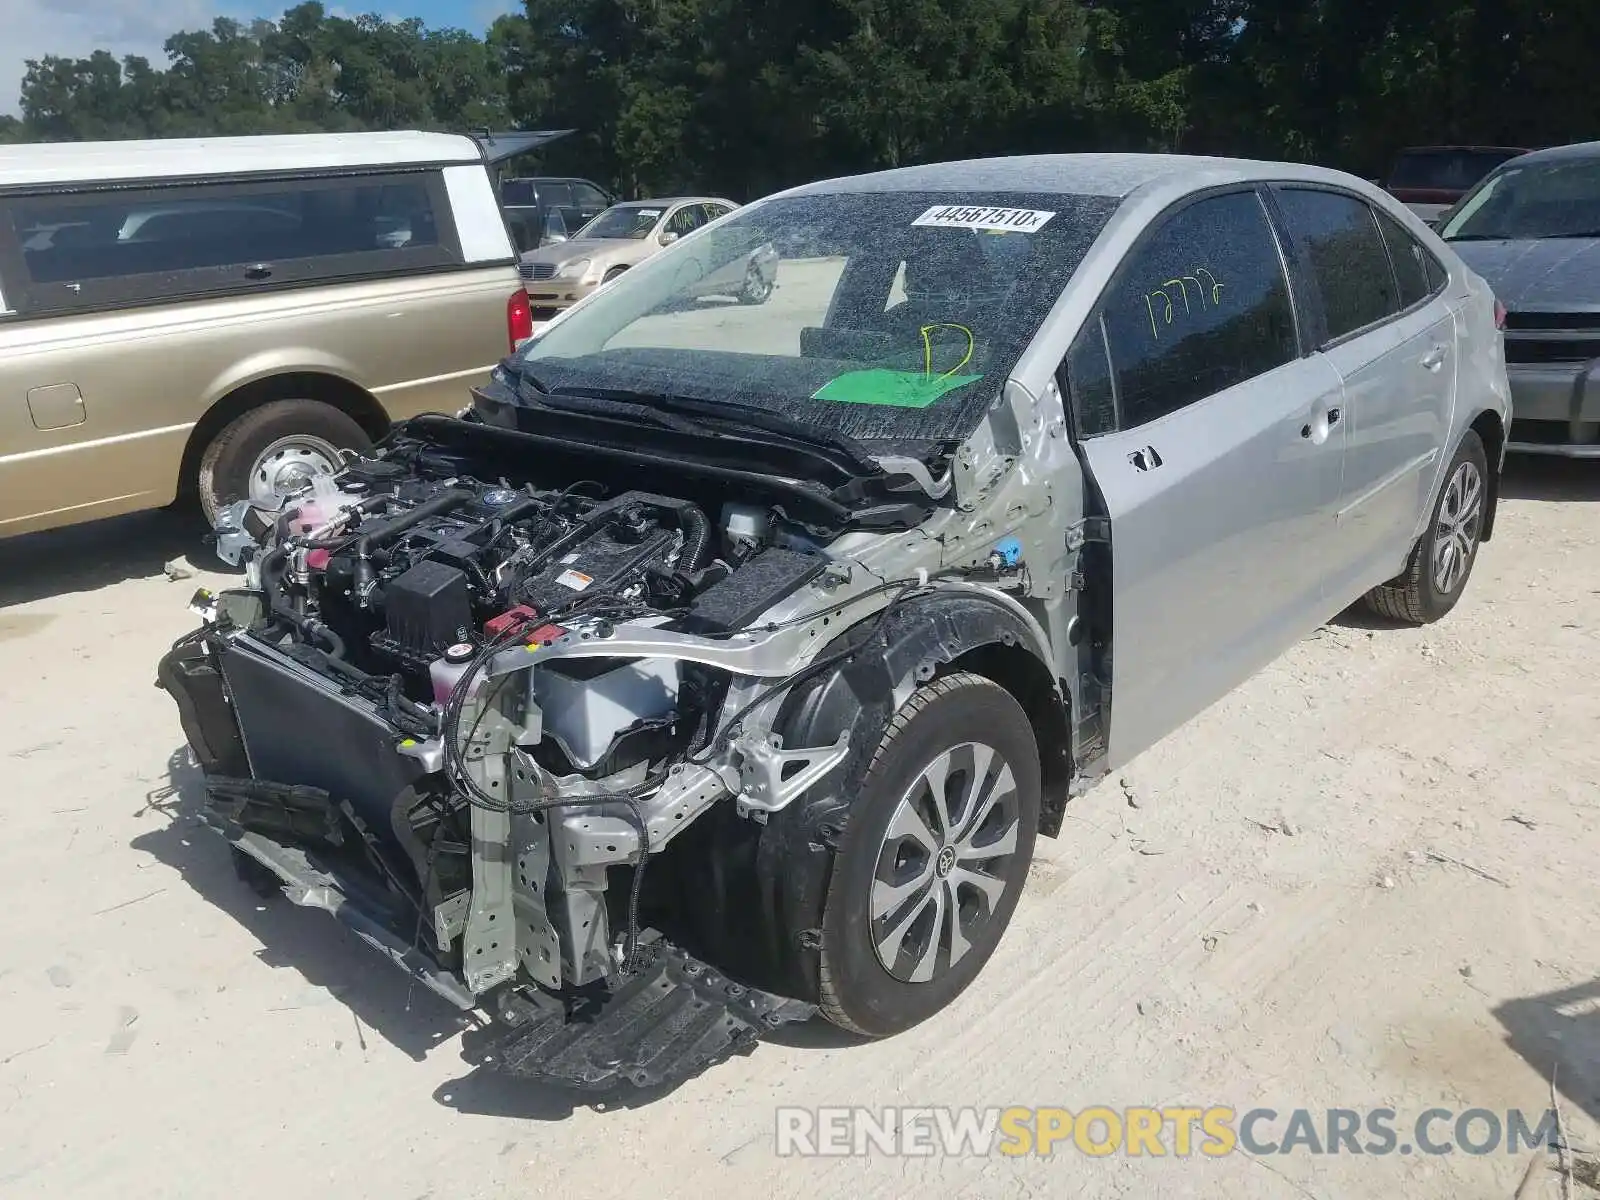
[(1416, 271)]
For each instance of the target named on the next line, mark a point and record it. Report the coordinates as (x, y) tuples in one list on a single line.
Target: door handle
[(1434, 359), (258, 271), (1321, 425), (1145, 459)]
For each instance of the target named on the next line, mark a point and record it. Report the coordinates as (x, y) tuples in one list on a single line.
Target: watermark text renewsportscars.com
[(1156, 1132)]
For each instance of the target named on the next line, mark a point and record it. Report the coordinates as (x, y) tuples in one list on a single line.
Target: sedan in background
[(623, 236), (1532, 229)]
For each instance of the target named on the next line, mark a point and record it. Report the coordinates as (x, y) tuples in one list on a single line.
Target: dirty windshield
[(882, 315), (632, 221), (1551, 199)]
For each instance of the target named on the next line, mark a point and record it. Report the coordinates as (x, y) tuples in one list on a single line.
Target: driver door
[(1215, 447)]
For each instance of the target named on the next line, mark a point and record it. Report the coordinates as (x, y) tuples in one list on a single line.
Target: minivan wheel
[(933, 857), (1442, 560), (271, 452)]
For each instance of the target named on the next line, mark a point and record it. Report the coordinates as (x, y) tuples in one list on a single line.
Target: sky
[(74, 28)]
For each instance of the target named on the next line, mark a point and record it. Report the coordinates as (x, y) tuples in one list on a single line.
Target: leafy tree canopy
[(745, 96)]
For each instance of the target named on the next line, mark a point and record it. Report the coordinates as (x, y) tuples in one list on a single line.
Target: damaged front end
[(515, 727)]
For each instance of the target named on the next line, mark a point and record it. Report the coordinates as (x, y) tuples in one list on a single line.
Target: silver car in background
[(824, 607)]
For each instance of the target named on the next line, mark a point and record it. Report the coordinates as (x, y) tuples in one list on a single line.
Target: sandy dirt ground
[(1368, 878)]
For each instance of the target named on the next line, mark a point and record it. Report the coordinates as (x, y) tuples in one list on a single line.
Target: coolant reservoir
[(326, 501), (446, 672)]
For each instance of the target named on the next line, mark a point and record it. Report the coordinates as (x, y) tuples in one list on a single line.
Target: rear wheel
[(933, 858), (1442, 560), (271, 452)]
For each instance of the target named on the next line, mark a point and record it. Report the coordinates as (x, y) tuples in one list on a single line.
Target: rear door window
[(1202, 304), (79, 251), (1339, 241)]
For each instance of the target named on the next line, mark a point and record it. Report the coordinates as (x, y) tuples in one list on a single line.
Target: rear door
[(1385, 327), (1206, 431)]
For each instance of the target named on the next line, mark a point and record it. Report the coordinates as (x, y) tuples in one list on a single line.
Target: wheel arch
[(1491, 430), (336, 391), (792, 854)]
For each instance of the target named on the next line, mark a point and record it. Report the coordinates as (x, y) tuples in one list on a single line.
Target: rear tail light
[(1499, 315), (519, 318)]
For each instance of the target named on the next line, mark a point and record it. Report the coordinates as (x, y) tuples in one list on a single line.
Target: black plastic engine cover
[(428, 607), (606, 559)]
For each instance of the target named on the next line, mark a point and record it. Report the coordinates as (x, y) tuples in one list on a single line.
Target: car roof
[(1107, 175), (663, 201), (187, 158)]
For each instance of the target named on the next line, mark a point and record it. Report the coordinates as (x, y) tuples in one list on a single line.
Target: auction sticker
[(958, 216), (576, 580)]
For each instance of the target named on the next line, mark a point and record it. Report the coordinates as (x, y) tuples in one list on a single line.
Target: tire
[(1430, 586), (613, 273), (871, 981), (234, 455)]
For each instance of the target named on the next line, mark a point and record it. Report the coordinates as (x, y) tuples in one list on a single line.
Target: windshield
[(1559, 198), (630, 221), (1445, 170), (882, 315)]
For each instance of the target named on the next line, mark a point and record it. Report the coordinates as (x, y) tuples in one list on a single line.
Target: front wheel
[(1442, 560), (933, 858)]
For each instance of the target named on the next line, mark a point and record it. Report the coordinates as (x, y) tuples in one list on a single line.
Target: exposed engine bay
[(476, 710)]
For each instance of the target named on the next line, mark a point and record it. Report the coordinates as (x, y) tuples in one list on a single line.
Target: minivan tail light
[(519, 318), (1499, 315)]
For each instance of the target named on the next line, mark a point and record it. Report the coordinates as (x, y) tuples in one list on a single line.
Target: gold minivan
[(220, 318)]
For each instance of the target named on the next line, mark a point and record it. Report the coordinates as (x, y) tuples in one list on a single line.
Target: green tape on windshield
[(894, 389)]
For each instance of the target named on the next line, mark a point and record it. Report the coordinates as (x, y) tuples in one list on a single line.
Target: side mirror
[(668, 238)]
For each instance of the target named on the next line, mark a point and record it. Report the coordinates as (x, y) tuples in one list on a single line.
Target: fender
[(793, 852)]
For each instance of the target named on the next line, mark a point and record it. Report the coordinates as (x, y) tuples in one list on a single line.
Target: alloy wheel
[(1455, 532), (941, 869)]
